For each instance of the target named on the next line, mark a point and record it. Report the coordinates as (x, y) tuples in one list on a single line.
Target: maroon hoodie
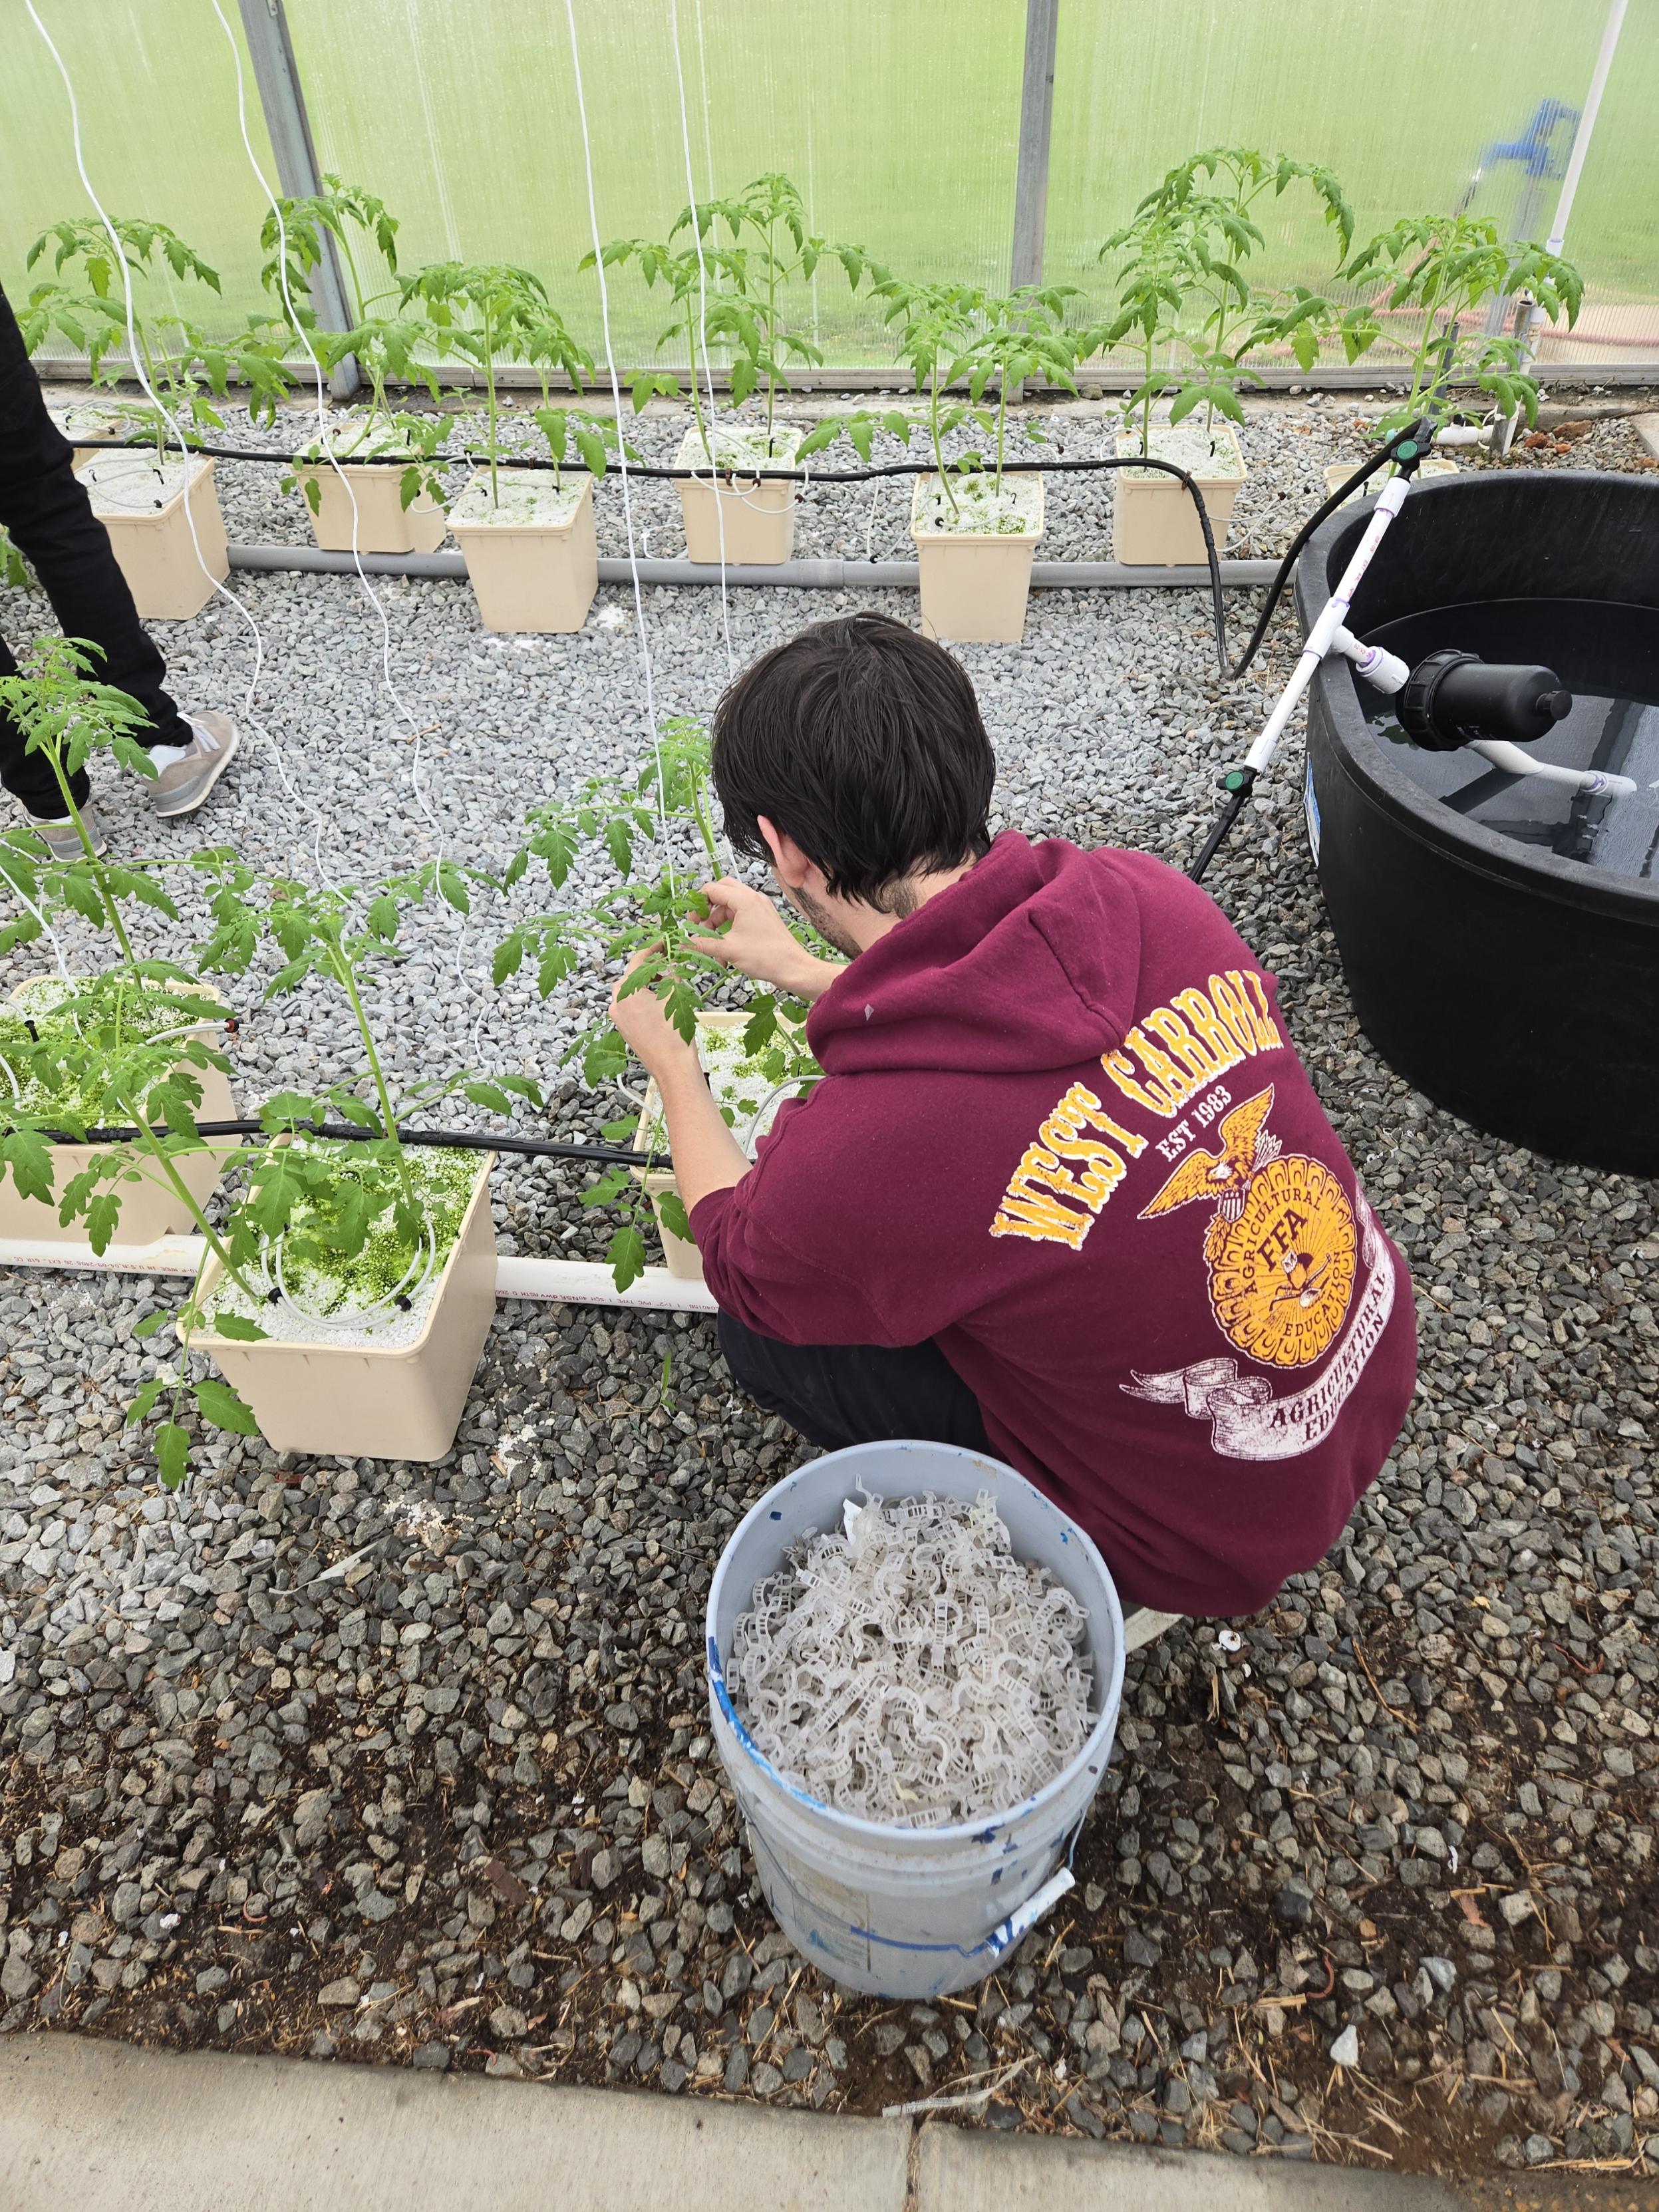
[(1062, 1132)]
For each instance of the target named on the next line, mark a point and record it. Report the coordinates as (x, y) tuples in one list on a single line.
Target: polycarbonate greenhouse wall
[(900, 123)]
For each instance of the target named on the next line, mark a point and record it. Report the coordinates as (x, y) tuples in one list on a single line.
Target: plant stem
[(938, 446), (771, 327), (1002, 422), (351, 271), (705, 822), (340, 962), (153, 1146), (489, 381), (697, 395), (1147, 401), (99, 875)]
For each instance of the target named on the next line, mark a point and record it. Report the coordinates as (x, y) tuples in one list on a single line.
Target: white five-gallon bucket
[(910, 1912)]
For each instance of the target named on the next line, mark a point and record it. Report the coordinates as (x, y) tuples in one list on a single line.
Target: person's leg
[(46, 509), (838, 1395)]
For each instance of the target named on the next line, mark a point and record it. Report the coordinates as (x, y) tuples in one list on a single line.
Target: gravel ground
[(409, 1765)]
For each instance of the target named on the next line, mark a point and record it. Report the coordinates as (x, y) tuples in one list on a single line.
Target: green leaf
[(239, 1329), (224, 1408), (626, 1253), (487, 1094), (144, 1404), (675, 1219), (153, 1321), (30, 1158), (604, 1057), (507, 960), (763, 1023), (172, 1454), (102, 1216)]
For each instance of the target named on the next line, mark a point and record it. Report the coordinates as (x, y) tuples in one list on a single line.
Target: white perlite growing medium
[(912, 1670)]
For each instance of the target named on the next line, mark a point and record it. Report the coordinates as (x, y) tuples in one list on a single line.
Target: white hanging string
[(714, 491), (622, 450), (325, 439), (172, 422)]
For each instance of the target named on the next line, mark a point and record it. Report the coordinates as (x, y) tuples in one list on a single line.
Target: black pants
[(50, 519), (838, 1395)]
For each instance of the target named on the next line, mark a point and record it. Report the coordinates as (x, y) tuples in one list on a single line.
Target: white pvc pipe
[(557, 1282), (1383, 670), (1514, 761), (1581, 144), (1581, 136), (832, 575), (1321, 638)]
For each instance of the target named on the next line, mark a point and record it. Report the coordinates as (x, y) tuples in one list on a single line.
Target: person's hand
[(756, 940), (645, 1026)]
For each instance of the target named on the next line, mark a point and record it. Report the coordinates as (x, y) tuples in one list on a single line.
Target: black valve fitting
[(1453, 698)]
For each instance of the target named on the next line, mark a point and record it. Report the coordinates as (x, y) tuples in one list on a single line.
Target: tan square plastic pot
[(385, 524), (757, 517), (148, 1209), (532, 575), (362, 1401), (974, 584), (149, 533), (1153, 523)]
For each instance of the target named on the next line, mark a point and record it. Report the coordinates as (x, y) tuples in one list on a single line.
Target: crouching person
[(1065, 1192)]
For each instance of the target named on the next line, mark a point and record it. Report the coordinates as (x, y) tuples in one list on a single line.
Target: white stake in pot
[(363, 1401), (1154, 523), (149, 1209), (895, 1912), (142, 505), (532, 560), (384, 524), (741, 520), (975, 582)]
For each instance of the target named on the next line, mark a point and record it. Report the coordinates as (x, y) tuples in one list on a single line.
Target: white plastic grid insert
[(910, 1669)]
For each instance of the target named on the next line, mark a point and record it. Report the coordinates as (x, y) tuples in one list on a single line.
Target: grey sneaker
[(184, 784), (58, 834)]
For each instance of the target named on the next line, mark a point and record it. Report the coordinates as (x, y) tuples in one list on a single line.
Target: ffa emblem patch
[(1282, 1245)]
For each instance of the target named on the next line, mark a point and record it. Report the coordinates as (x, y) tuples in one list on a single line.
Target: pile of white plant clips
[(912, 1670)]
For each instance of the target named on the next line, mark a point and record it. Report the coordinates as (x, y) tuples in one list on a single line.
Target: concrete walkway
[(104, 2127)]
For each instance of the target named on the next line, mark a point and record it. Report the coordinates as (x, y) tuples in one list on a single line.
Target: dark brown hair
[(861, 739)]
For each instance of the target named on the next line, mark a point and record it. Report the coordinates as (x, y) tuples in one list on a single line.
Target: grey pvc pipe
[(794, 575)]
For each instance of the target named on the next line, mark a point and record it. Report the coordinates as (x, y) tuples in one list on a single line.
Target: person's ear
[(789, 864)]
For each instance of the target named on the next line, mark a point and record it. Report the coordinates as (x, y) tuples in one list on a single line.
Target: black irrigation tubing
[(1341, 493), (455, 1140), (806, 477)]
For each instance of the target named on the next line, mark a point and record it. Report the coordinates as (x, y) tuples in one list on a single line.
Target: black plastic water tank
[(1505, 971)]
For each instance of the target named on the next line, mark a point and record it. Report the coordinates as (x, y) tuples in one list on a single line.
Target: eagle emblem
[(1281, 1245)]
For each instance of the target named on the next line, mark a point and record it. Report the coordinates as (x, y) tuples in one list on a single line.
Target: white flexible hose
[(1513, 762)]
